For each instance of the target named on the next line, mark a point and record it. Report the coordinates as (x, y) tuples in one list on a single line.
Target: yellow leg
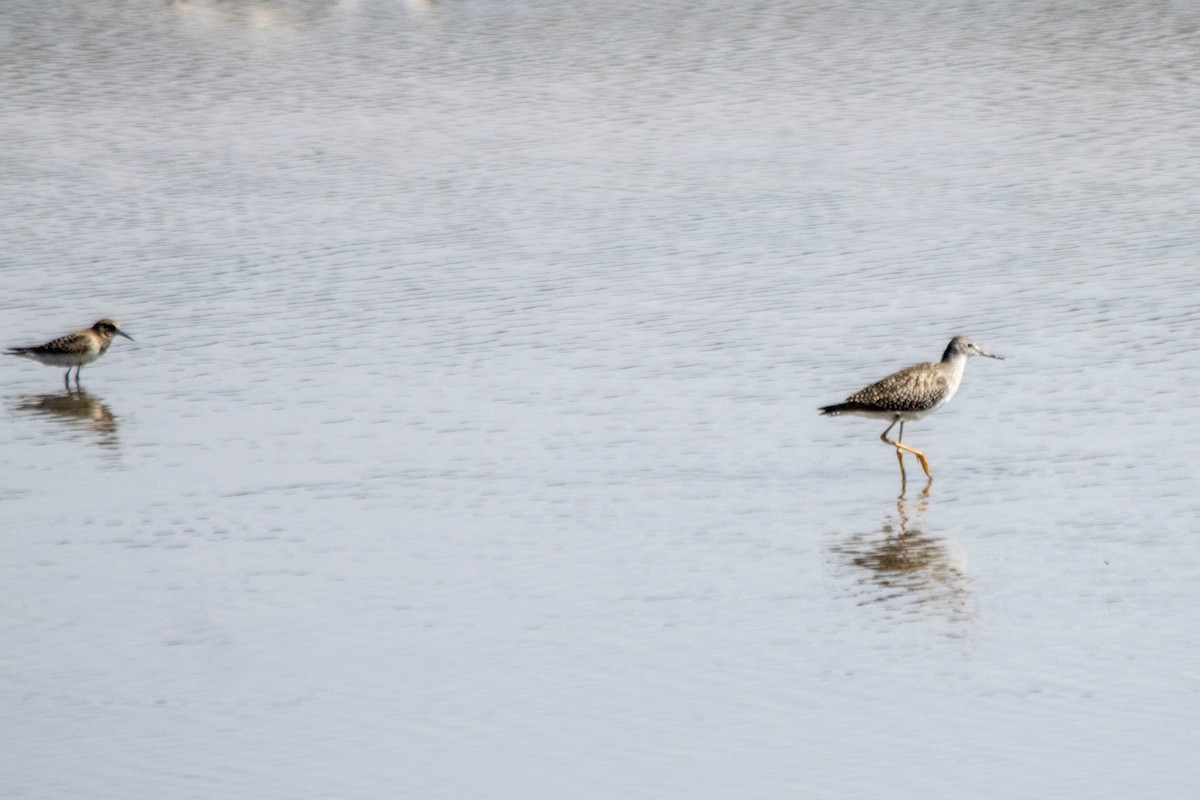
[(900, 446), (899, 453), (920, 457), (903, 475)]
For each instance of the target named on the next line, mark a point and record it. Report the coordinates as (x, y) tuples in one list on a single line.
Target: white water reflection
[(470, 444)]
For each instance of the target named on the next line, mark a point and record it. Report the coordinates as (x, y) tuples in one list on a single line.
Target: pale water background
[(468, 447)]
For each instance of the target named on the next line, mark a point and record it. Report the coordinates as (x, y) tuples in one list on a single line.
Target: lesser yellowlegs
[(912, 393), (74, 349)]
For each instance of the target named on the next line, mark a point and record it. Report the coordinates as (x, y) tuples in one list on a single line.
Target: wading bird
[(73, 349), (910, 394)]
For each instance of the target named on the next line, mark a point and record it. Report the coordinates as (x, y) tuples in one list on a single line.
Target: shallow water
[(468, 445)]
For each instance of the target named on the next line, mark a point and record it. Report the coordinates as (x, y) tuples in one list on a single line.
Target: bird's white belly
[(64, 359)]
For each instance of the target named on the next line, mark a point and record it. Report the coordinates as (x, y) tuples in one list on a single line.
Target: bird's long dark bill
[(120, 332)]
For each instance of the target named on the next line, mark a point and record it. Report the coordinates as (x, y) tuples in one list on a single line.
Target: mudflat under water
[(468, 446)]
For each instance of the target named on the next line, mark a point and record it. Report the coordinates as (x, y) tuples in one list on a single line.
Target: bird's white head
[(965, 347)]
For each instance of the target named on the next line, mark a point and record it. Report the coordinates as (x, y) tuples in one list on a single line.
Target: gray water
[(468, 446)]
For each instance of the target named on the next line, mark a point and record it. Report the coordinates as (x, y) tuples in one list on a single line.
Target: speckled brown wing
[(914, 388), (68, 344)]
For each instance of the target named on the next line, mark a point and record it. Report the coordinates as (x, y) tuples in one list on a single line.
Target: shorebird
[(910, 394), (74, 349)]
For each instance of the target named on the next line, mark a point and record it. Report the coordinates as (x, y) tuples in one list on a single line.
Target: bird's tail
[(843, 408), (17, 351)]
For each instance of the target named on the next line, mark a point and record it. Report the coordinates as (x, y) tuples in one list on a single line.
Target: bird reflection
[(78, 410), (262, 14), (266, 15), (910, 573)]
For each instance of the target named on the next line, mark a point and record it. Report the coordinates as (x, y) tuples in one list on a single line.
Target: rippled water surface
[(468, 446)]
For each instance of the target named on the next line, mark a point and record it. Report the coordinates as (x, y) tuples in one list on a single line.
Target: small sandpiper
[(912, 393), (74, 349)]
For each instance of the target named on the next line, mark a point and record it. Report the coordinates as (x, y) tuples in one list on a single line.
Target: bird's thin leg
[(899, 455), (924, 463), (77, 369), (899, 446), (67, 379)]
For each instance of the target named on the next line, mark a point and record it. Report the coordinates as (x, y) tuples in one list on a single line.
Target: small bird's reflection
[(912, 574), (260, 14), (77, 409)]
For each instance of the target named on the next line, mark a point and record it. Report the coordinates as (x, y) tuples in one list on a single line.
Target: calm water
[(468, 446)]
